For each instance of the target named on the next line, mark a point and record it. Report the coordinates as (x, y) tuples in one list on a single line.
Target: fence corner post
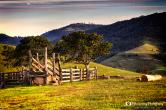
[(87, 72), (45, 62), (2, 75), (53, 62), (30, 60), (80, 74), (96, 72), (37, 57), (71, 75)]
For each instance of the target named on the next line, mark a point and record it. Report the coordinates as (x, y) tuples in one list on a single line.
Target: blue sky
[(34, 17)]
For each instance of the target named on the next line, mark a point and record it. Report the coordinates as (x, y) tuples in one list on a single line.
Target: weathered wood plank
[(65, 70), (63, 81), (36, 67), (76, 80), (76, 73), (65, 74), (64, 77), (34, 60), (76, 77)]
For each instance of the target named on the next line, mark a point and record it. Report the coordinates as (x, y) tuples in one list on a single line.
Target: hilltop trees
[(82, 47), (28, 43)]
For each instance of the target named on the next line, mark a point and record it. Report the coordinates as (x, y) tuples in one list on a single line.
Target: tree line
[(78, 46)]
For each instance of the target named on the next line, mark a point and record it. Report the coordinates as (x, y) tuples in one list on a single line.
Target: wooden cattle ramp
[(50, 68)]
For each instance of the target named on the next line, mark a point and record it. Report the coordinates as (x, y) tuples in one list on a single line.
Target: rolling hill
[(140, 59), (5, 39), (55, 35), (124, 35), (129, 34)]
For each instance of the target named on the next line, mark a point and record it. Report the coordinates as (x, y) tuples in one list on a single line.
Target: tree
[(29, 43), (6, 52), (82, 47)]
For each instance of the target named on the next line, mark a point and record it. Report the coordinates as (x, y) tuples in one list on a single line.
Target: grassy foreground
[(87, 95)]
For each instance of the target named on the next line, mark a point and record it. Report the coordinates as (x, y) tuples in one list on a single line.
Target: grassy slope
[(145, 49), (86, 95), (139, 58)]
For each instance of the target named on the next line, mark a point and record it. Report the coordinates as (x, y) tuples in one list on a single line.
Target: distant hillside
[(5, 39), (55, 35), (132, 33), (139, 59), (124, 35)]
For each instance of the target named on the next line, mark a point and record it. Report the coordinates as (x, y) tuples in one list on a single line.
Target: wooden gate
[(75, 74)]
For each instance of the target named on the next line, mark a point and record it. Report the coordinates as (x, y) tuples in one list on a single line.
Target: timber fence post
[(96, 72), (45, 62), (71, 75), (80, 74), (30, 60), (37, 57), (53, 56)]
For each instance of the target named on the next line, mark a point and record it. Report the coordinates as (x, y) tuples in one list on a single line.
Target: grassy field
[(86, 95), (108, 94)]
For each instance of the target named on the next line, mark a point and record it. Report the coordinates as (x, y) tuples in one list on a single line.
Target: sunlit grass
[(146, 48), (92, 95), (85, 95)]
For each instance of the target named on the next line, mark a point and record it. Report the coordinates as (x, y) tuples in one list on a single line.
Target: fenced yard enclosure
[(45, 70), (53, 71)]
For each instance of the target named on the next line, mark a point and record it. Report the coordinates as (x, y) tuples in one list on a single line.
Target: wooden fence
[(51, 72), (70, 75), (14, 77)]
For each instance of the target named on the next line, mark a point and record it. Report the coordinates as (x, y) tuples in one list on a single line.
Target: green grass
[(86, 95), (146, 48)]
